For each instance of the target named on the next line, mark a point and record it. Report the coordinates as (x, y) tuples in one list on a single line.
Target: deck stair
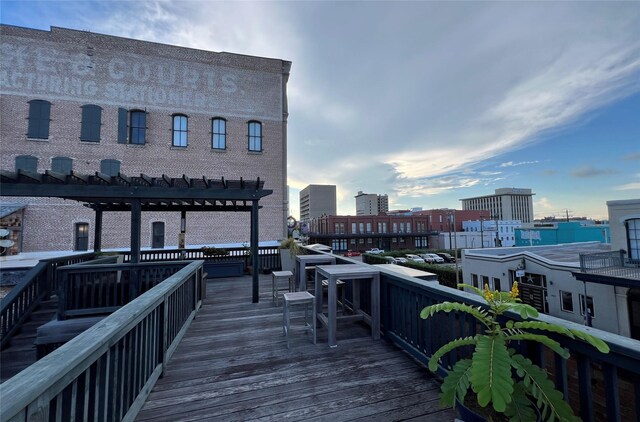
[(21, 352)]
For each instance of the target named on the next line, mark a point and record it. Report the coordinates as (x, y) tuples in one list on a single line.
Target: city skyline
[(425, 102)]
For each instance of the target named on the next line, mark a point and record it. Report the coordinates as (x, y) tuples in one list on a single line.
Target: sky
[(427, 102)]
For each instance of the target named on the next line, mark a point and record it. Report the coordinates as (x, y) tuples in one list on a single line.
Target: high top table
[(301, 263), (346, 272)]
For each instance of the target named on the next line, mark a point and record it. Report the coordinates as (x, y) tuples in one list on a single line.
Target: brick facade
[(71, 68)]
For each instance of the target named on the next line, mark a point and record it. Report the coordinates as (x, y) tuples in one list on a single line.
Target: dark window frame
[(254, 138), (81, 237), (137, 132), (157, 237), (181, 132), (564, 296), (89, 124), (590, 305), (632, 228), (217, 135), (39, 119)]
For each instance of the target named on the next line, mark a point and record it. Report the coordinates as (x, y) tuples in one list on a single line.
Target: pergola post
[(254, 250), (97, 235), (136, 222)]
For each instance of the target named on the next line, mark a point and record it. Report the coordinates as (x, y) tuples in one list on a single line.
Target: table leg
[(318, 285), (375, 307), (297, 275), (332, 300)]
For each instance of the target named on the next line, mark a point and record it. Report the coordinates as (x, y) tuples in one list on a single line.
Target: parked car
[(401, 260), (375, 251), (414, 258), (390, 260), (446, 257), (352, 253), (432, 258)]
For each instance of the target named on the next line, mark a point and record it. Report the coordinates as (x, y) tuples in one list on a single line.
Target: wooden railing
[(37, 285), (269, 256), (106, 373), (402, 299), (617, 374), (89, 290)]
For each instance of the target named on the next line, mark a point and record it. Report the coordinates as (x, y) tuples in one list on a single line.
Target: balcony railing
[(612, 264)]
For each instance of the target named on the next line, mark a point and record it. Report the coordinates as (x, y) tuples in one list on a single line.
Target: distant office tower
[(505, 204), (371, 204), (316, 200)]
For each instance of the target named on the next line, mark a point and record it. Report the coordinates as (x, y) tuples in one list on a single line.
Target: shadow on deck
[(233, 365)]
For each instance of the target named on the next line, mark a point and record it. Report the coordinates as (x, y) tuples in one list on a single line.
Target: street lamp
[(482, 230)]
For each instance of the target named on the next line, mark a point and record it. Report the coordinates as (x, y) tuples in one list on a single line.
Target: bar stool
[(295, 299), (340, 287), (276, 278)]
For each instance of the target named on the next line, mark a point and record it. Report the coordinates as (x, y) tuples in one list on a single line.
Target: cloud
[(629, 186), (521, 163), (632, 157), (413, 99), (591, 171), (543, 207)]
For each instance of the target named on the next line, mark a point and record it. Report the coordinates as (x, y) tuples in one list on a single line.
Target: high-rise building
[(81, 102), (371, 203), (317, 200), (505, 204)]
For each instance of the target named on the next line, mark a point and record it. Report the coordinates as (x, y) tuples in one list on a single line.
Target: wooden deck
[(233, 365)]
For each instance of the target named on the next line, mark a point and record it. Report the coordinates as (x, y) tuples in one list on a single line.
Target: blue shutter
[(39, 118), (62, 165), (110, 167), (122, 125), (27, 163), (91, 122)]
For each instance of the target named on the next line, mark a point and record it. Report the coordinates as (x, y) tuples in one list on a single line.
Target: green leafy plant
[(291, 244), (496, 373)]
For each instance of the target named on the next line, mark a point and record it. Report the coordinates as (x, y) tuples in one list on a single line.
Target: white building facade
[(505, 232), (505, 204)]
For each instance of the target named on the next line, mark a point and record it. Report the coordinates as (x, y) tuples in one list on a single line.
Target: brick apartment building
[(86, 102), (411, 230)]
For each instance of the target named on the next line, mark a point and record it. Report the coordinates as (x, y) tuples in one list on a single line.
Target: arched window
[(39, 118), (27, 163), (110, 167), (255, 136), (218, 133), (62, 165), (633, 238), (157, 239), (91, 122), (81, 237), (180, 130)]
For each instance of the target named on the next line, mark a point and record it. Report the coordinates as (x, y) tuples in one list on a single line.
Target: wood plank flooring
[(234, 365)]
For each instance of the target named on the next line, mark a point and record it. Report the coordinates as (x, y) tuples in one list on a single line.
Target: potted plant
[(289, 249), (497, 374)]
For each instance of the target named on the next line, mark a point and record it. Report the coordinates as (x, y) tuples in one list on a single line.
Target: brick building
[(75, 100), (388, 232)]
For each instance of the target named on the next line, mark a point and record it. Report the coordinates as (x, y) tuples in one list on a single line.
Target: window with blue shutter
[(62, 165), (27, 163), (110, 167), (91, 122), (157, 241), (138, 127), (39, 118)]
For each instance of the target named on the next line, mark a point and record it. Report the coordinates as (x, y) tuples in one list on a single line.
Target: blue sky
[(428, 102)]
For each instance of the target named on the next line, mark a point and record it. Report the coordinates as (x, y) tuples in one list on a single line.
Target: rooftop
[(568, 253)]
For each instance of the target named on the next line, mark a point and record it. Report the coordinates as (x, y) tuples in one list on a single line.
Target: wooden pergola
[(135, 194)]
